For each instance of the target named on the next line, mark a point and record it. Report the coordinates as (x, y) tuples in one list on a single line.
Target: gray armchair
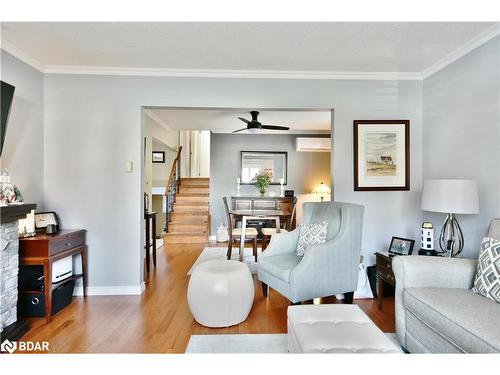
[(324, 270)]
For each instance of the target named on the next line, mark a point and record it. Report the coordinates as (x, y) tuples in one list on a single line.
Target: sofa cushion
[(487, 281), (467, 320), (279, 265)]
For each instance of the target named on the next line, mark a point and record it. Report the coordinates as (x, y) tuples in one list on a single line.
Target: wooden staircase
[(190, 217)]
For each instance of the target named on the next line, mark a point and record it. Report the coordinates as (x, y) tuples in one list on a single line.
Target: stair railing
[(172, 188)]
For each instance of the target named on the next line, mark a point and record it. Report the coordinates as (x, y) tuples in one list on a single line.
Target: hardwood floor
[(159, 320)]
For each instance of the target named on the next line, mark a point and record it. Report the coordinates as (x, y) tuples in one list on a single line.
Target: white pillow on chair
[(311, 234)]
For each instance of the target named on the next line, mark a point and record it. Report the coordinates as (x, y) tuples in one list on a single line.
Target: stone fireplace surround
[(10, 326)]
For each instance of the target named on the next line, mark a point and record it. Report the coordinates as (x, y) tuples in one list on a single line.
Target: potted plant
[(262, 180)]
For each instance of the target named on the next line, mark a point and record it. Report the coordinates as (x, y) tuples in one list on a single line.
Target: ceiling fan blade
[(240, 130), (275, 127), (244, 120)]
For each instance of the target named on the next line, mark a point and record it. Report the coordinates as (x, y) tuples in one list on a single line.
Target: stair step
[(191, 209), (192, 204), (194, 186), (192, 198), (189, 218), (195, 181), (179, 227), (184, 238), (195, 190)]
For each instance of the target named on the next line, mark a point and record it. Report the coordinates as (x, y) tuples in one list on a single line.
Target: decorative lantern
[(427, 240)]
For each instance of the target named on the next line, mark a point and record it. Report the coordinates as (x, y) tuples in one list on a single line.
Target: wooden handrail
[(172, 171)]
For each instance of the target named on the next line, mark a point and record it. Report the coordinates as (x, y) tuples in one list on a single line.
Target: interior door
[(204, 153)]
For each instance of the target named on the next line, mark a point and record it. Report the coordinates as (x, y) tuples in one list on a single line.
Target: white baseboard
[(129, 290)]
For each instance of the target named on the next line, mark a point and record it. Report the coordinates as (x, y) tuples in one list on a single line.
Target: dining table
[(277, 216)]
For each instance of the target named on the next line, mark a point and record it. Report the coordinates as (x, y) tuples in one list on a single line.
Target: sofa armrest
[(435, 272), (282, 243), (428, 272)]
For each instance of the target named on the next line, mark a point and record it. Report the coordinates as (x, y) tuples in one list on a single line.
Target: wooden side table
[(45, 249), (384, 275)]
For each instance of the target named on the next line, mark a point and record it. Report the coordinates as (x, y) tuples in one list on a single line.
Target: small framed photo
[(401, 246), (158, 156), (42, 219)]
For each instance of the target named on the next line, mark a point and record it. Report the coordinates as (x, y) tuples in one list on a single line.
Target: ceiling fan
[(255, 126)]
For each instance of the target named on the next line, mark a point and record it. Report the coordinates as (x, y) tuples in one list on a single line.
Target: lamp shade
[(321, 189), (450, 196)]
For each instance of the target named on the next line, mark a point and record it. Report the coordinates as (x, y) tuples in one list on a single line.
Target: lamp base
[(451, 239), (431, 253)]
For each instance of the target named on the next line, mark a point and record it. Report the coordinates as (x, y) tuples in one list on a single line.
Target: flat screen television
[(6, 96)]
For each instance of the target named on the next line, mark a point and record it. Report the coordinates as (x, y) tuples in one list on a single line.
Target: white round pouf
[(220, 293)]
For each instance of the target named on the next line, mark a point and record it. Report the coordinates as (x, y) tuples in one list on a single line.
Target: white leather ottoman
[(335, 329), (220, 293)]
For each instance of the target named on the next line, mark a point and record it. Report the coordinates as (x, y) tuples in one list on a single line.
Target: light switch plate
[(129, 167)]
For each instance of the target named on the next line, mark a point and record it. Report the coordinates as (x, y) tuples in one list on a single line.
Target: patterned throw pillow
[(311, 234), (487, 282)]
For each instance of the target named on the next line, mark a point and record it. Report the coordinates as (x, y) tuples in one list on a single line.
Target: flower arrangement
[(262, 180)]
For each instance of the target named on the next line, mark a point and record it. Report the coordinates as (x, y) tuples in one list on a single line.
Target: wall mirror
[(252, 162)]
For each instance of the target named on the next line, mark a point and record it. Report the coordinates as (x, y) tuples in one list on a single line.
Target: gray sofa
[(436, 312)]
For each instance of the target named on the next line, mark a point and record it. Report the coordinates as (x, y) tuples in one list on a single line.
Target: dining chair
[(268, 232), (235, 233)]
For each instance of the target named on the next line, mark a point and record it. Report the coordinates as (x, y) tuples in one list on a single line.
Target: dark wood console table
[(44, 249), (264, 205), (384, 275)]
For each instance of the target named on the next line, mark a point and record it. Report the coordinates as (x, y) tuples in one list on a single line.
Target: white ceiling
[(226, 120), (316, 47)]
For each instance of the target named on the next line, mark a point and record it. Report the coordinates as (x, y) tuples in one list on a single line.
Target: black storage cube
[(33, 304), (31, 278)]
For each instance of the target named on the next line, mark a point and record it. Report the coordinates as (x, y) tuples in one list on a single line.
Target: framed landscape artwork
[(381, 155)]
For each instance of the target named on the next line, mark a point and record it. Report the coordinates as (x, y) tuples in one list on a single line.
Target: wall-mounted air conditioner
[(304, 144)]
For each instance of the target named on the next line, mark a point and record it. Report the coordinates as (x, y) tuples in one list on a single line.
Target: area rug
[(219, 253), (248, 343)]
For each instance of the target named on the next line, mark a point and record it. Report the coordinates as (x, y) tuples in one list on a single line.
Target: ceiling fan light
[(255, 130)]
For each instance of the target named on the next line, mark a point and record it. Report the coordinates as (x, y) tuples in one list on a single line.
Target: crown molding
[(471, 45), (220, 73), (24, 57)]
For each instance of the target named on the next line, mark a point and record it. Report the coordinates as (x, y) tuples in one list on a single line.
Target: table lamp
[(451, 197), (321, 190)]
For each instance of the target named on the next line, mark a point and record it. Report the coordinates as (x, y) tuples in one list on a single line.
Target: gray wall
[(93, 126), (387, 214), (305, 169), (22, 152), (462, 133)]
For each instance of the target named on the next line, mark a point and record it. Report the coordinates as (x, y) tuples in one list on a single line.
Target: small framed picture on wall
[(381, 155), (158, 156)]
